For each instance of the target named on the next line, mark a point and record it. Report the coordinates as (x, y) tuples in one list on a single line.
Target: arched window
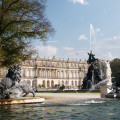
[(48, 83), (52, 83), (44, 83)]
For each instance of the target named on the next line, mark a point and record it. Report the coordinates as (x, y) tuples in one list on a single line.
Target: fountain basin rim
[(22, 100)]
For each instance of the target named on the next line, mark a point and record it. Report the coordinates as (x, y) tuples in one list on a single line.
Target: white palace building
[(50, 73)]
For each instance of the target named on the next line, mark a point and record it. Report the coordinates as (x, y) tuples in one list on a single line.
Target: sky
[(81, 26)]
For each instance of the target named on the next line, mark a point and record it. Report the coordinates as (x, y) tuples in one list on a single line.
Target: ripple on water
[(101, 109)]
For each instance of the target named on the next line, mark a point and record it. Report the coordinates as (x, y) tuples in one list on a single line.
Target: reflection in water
[(99, 109)]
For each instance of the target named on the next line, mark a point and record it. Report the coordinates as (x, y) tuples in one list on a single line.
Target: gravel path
[(63, 97)]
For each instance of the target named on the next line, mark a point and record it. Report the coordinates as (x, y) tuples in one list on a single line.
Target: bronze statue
[(93, 75)]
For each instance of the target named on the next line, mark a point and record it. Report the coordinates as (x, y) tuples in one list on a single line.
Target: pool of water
[(99, 109)]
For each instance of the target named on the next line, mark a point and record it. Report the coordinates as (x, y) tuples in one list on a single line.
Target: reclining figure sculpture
[(12, 87)]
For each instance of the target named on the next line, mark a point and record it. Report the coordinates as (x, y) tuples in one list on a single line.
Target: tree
[(115, 66), (21, 21)]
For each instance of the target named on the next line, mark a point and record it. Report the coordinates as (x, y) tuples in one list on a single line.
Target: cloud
[(52, 41), (109, 56), (68, 48), (117, 37), (82, 37), (97, 30), (49, 51), (83, 2)]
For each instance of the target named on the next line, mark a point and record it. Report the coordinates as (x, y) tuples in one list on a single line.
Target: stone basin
[(22, 100)]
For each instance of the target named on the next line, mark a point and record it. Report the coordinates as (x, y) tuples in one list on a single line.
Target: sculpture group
[(11, 87), (98, 71)]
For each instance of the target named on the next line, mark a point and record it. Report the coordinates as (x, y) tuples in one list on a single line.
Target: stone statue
[(116, 84), (11, 86), (18, 90)]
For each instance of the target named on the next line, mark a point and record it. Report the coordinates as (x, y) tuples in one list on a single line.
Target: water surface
[(99, 109)]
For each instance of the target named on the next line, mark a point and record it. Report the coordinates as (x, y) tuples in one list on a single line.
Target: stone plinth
[(22, 100), (104, 89), (110, 95)]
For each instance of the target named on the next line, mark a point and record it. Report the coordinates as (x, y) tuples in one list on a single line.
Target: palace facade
[(50, 73)]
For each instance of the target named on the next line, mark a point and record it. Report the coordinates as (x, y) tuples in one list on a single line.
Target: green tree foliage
[(115, 66), (21, 21)]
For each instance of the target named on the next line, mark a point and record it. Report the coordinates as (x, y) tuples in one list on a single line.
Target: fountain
[(94, 74), (92, 34), (14, 91), (99, 71), (98, 75)]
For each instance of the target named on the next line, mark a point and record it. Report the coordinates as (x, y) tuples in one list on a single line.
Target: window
[(42, 73), (24, 63), (23, 72), (72, 84), (46, 64), (41, 63), (62, 75), (28, 81), (50, 64), (65, 74), (46, 73), (72, 74), (50, 74), (58, 74), (62, 82), (78, 74), (28, 73), (75, 75), (33, 73), (76, 83)]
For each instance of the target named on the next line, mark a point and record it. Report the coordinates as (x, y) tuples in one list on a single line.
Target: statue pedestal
[(22, 100), (104, 89)]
